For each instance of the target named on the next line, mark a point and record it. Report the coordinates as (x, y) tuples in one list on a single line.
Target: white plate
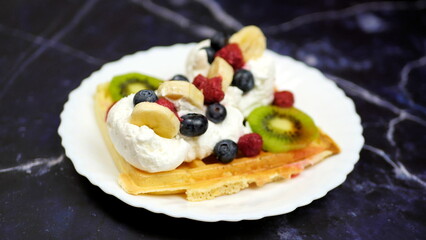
[(318, 96)]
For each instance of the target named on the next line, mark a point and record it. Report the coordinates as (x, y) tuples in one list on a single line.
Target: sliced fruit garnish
[(283, 99), (181, 89), (282, 129), (251, 41), (157, 117), (126, 84), (210, 87), (221, 68), (232, 54)]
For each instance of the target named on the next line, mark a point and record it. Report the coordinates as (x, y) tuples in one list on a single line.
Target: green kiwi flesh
[(282, 129), (123, 85)]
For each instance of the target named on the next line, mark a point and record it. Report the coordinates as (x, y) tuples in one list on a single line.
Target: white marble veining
[(221, 15), (176, 18), (42, 165), (391, 127), (358, 91), (400, 170), (40, 41), (371, 23), (84, 10), (288, 232), (405, 76), (343, 13), (214, 8), (402, 115)]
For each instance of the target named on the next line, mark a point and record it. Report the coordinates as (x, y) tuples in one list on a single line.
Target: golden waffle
[(206, 179)]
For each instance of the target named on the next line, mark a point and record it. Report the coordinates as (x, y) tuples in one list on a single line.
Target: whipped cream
[(263, 70), (145, 150), (197, 61), (141, 146), (231, 128)]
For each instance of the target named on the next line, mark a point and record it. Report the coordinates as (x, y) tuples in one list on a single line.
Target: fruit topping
[(166, 103), (179, 77), (251, 41), (193, 125), (282, 129), (181, 89), (225, 150), (210, 53), (216, 112), (211, 88), (232, 54), (219, 40), (250, 144), (144, 96), (283, 99), (244, 80), (159, 118), (126, 84), (221, 68)]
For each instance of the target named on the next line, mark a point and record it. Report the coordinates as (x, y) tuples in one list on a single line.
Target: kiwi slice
[(282, 129), (123, 85)]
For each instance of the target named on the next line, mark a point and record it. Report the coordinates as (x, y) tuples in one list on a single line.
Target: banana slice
[(251, 41), (220, 67), (157, 117), (181, 89)]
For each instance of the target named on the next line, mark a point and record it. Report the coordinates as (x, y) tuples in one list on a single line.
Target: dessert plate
[(318, 96)]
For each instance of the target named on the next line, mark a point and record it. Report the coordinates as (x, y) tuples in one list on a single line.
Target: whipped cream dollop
[(263, 70), (141, 146), (145, 150), (231, 128), (197, 61)]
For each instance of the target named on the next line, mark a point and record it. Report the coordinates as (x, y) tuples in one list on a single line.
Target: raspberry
[(211, 88), (200, 81), (283, 99), (232, 54), (216, 82), (166, 103), (250, 144)]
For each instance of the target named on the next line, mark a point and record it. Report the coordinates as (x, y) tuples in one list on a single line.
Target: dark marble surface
[(375, 51)]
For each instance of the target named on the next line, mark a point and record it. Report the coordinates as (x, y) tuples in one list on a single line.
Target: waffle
[(206, 179)]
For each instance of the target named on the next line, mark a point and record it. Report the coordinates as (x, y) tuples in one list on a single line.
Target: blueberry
[(210, 54), (219, 40), (193, 124), (145, 96), (216, 112), (225, 150), (179, 77), (244, 80)]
